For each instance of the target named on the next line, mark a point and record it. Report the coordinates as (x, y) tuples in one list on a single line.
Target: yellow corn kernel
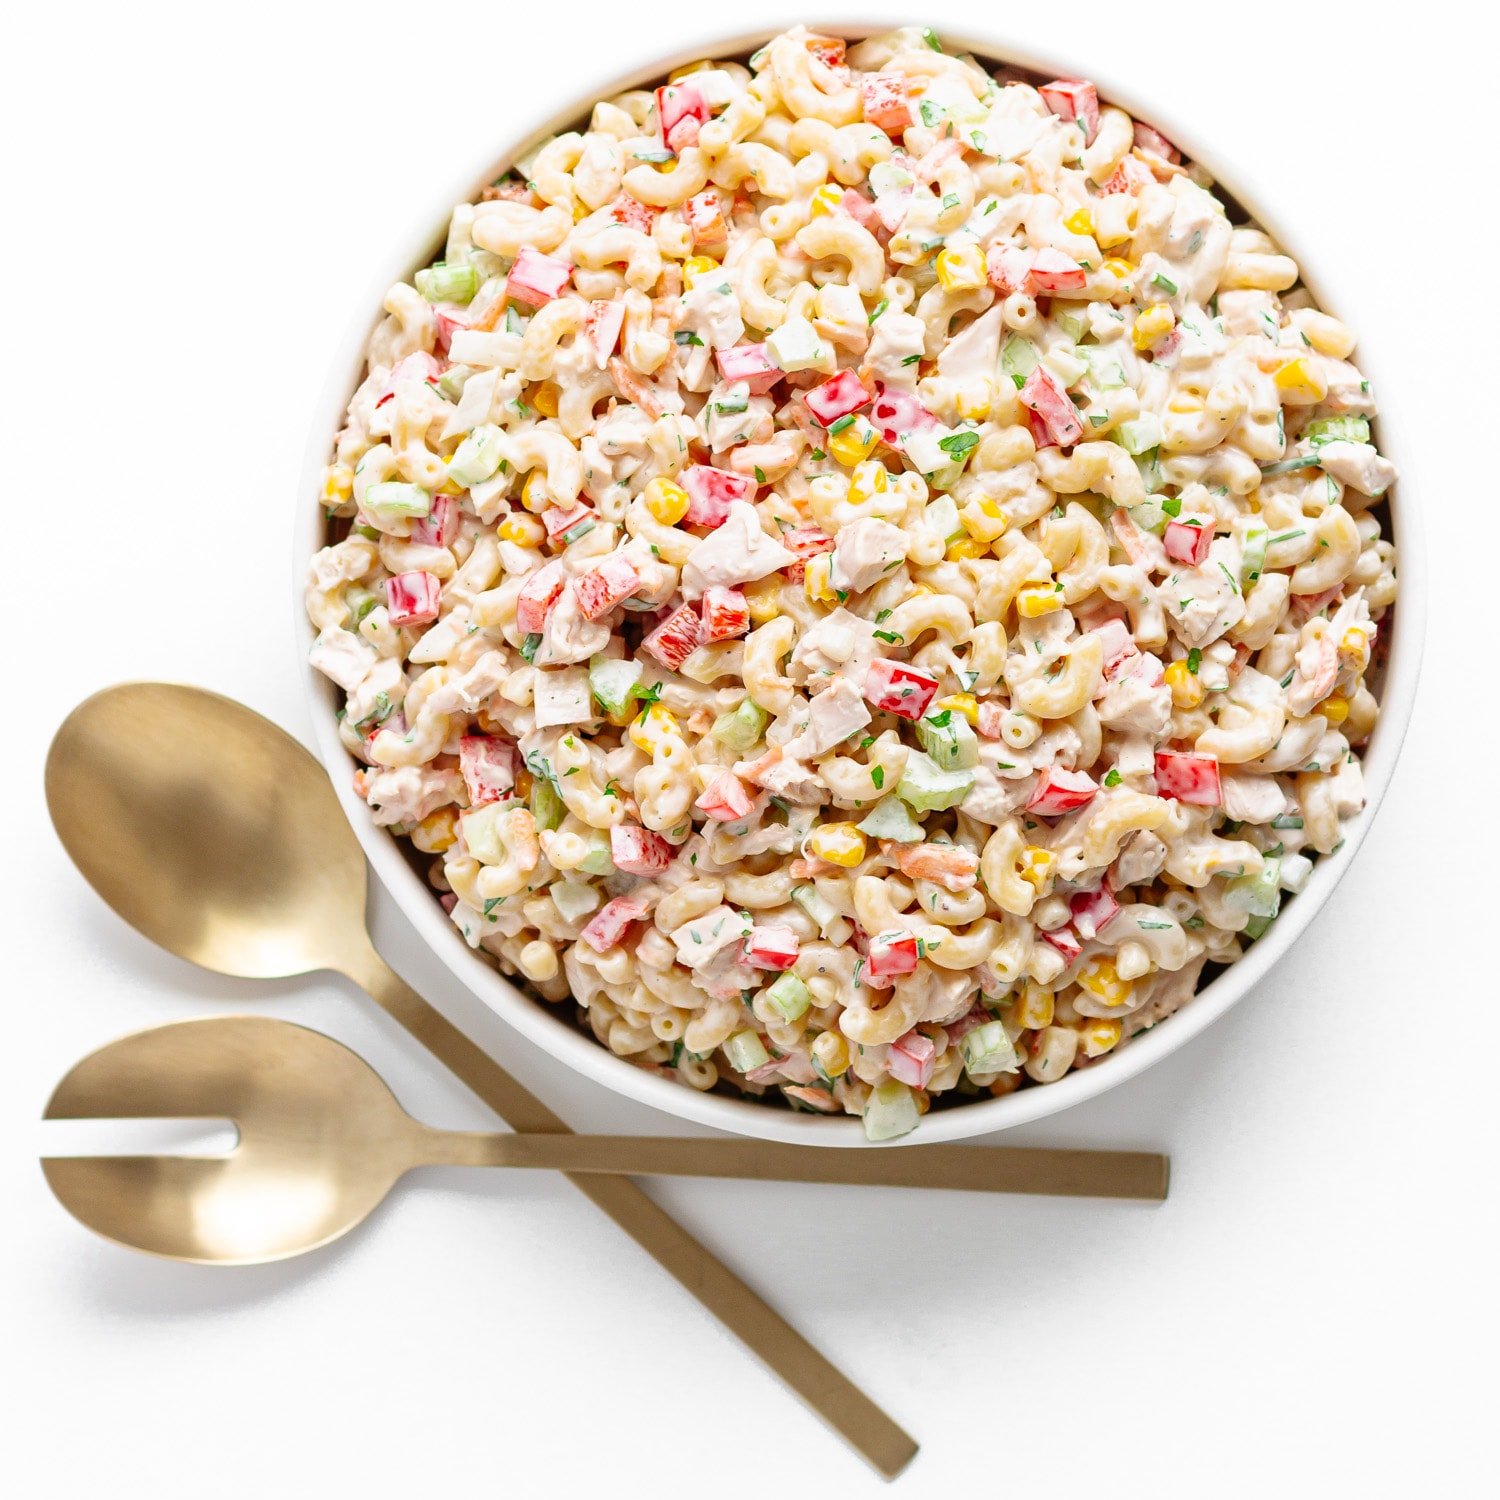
[(1152, 325), (817, 579), (581, 211), (975, 401), (686, 71), (698, 265), (1100, 978), (868, 480), (1032, 1008), (338, 484), (1036, 865), (983, 519), (831, 1053), (436, 832), (1185, 403), (544, 398), (1187, 691), (653, 728), (960, 268), (763, 600), (962, 703), (1080, 221), (524, 531), (1120, 268), (966, 546), (1335, 710), (1097, 1037), (1355, 642), (525, 785), (1038, 599), (667, 501), (838, 843), (1300, 381), (826, 200), (854, 444), (534, 494)]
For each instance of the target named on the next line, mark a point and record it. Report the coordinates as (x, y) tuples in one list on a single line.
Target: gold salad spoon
[(322, 1141)]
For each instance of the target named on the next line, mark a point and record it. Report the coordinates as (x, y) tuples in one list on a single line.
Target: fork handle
[(981, 1169)]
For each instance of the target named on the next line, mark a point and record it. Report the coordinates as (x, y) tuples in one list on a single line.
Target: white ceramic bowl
[(551, 1027)]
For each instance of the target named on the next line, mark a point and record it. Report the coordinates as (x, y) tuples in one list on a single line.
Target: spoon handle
[(982, 1169), (825, 1389)]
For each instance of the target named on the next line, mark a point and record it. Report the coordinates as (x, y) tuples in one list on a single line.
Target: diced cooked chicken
[(864, 551), (1137, 699), (562, 697), (832, 717), (840, 643), (1251, 799), (1359, 466), (568, 636), (406, 794), (739, 551), (1203, 602), (699, 940)]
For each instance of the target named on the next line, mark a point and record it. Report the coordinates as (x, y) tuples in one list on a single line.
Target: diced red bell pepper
[(991, 715), (419, 366), (899, 689), (725, 799), (601, 327), (1059, 417), (560, 519), (1129, 177), (448, 323), (637, 851), (676, 638), (682, 111), (603, 587), (890, 953), (838, 397), (634, 214), (805, 541), (911, 1059), (829, 50), (1156, 143), (538, 594), (1118, 643), (1092, 910), (1052, 271), (704, 213), (440, 525), (1059, 792), (898, 412), (1008, 267), (861, 210), (1188, 543), (413, 598), (1073, 99), (489, 767), (748, 363), (612, 921), (1188, 777), (887, 103), (1065, 940), (726, 614), (971, 1020), (536, 278), (770, 947), (711, 492)]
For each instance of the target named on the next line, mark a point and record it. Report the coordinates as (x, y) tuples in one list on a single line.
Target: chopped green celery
[(1149, 516), (736, 400), (393, 501), (597, 861), (926, 787), (452, 381), (1287, 465), (514, 322), (1018, 358), (887, 177), (360, 602), (815, 904), (1105, 370), (445, 283), (891, 1111), (1354, 429), (1071, 319), (1260, 893), (481, 829), (573, 898), (1141, 435), (546, 806), (890, 819), (1256, 926), (988, 1049), (1150, 467), (746, 1052), (611, 679), (369, 533), (1253, 554), (1066, 364), (740, 729), (477, 457), (788, 996), (948, 739), (941, 519)]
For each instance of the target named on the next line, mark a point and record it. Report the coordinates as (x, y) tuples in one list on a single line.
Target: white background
[(195, 202)]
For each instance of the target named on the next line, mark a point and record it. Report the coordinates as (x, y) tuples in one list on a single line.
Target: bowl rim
[(571, 1045)]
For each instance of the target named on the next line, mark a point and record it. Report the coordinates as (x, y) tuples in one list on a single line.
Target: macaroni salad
[(859, 573)]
